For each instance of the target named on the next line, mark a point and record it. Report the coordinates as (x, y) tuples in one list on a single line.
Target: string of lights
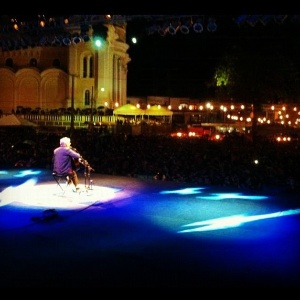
[(19, 32)]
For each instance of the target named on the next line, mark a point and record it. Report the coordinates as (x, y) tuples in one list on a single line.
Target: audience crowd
[(233, 162)]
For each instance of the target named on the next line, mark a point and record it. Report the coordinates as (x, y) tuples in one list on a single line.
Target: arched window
[(87, 98), (91, 67), (84, 69), (88, 66)]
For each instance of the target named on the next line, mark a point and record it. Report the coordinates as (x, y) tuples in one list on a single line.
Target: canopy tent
[(128, 110), (13, 120), (159, 111)]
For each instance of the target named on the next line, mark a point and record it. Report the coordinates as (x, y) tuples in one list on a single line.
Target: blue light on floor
[(213, 196), (24, 173), (234, 221), (186, 191), (222, 196)]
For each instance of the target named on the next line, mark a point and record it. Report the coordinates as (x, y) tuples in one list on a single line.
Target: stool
[(59, 177)]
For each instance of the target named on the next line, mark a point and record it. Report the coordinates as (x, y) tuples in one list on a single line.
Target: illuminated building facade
[(66, 73)]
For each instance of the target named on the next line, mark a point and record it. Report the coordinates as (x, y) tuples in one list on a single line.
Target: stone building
[(67, 73)]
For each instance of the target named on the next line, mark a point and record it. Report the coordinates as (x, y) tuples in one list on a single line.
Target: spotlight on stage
[(174, 27), (56, 41), (212, 26), (85, 38), (185, 26), (198, 27), (163, 29), (67, 41), (76, 40)]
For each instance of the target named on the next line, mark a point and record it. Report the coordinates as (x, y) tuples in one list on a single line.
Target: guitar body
[(75, 164)]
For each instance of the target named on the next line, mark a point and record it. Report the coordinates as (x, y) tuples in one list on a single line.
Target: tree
[(257, 75)]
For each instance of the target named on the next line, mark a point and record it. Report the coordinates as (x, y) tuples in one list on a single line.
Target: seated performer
[(63, 161)]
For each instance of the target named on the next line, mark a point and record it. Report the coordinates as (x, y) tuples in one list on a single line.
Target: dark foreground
[(130, 232)]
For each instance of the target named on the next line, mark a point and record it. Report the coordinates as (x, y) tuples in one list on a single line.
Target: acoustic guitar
[(75, 164)]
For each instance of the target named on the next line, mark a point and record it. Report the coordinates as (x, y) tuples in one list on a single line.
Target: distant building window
[(33, 62), (91, 67), (9, 62), (56, 63), (88, 67), (87, 98), (84, 73)]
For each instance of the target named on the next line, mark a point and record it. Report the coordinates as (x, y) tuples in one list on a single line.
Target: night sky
[(181, 65)]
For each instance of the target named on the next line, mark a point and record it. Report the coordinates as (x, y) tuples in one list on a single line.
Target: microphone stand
[(87, 171), (87, 174)]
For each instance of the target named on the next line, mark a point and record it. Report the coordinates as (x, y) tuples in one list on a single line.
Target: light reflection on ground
[(132, 232), (44, 195), (234, 221)]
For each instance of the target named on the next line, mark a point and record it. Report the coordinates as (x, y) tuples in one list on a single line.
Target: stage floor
[(134, 232)]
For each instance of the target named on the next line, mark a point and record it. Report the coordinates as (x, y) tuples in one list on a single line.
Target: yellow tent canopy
[(157, 110), (128, 110)]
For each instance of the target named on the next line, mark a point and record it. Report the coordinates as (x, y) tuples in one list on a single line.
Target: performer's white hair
[(65, 141)]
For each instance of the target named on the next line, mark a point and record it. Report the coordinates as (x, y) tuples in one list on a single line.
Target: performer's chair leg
[(60, 177)]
